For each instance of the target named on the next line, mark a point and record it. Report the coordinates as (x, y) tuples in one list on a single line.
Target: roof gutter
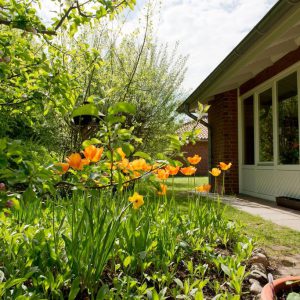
[(278, 11)]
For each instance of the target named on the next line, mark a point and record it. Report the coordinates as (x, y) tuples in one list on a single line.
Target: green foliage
[(91, 245), (22, 170)]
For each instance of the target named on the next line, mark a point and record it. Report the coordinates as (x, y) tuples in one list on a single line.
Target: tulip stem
[(216, 185), (223, 186), (172, 186)]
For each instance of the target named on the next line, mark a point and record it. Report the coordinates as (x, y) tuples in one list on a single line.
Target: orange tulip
[(188, 170), (76, 162), (92, 153), (215, 172), (123, 164), (172, 170), (195, 159), (162, 174), (138, 164), (121, 153), (64, 167), (225, 167), (205, 188), (163, 190)]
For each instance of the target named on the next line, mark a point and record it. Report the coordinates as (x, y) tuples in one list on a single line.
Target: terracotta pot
[(278, 285)]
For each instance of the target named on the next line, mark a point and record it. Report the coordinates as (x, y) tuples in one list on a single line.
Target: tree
[(138, 70), (36, 89)]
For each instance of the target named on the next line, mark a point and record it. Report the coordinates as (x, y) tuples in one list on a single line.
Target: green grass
[(276, 240), (187, 182)]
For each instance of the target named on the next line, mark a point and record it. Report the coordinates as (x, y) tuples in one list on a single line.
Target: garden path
[(286, 265), (267, 210)]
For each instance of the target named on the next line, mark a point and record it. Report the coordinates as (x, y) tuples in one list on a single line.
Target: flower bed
[(96, 246)]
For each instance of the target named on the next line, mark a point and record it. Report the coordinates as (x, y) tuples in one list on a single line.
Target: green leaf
[(86, 110), (179, 282), (142, 155), (123, 107), (93, 141), (225, 269), (75, 288), (293, 296), (102, 292), (1, 276), (127, 261)]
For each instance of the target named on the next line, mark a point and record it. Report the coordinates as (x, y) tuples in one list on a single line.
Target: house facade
[(200, 147), (254, 119)]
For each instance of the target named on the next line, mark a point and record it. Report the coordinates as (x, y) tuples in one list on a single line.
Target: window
[(288, 122), (265, 126), (248, 131)]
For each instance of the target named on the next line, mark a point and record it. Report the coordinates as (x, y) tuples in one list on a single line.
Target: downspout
[(189, 114)]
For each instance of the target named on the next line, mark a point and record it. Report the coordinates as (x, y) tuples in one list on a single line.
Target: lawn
[(275, 239)]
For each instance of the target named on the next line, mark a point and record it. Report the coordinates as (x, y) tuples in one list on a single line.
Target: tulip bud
[(2, 186), (9, 204)]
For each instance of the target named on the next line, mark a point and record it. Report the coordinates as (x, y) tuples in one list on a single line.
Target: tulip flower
[(137, 200), (121, 153), (172, 170), (138, 164), (63, 166), (76, 162), (163, 190), (188, 170), (194, 160), (225, 167), (205, 188), (162, 174), (92, 153), (215, 172)]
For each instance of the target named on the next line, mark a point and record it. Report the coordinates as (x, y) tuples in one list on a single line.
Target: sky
[(206, 30)]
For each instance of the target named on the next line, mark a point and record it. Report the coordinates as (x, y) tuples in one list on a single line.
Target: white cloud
[(207, 30)]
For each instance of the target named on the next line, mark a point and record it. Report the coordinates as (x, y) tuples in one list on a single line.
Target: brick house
[(254, 117), (200, 147)]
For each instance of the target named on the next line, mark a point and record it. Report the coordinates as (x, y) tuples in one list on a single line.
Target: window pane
[(265, 126), (248, 131), (288, 123)]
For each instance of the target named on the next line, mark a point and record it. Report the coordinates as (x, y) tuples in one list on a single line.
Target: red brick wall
[(200, 148), (222, 117), (280, 65)]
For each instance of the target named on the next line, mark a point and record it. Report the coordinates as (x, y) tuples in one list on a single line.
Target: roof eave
[(277, 11)]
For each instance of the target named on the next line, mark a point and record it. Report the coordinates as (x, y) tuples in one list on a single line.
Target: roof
[(273, 37), (189, 126)]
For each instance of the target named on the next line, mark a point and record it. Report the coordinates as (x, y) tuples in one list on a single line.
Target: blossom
[(172, 170), (138, 164), (162, 174), (137, 200), (188, 170), (121, 153), (123, 164), (194, 160), (63, 166), (92, 153), (225, 167), (215, 172), (163, 190), (205, 188), (76, 162)]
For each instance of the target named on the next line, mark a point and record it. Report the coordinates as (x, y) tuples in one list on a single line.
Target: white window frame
[(256, 118), (270, 83)]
